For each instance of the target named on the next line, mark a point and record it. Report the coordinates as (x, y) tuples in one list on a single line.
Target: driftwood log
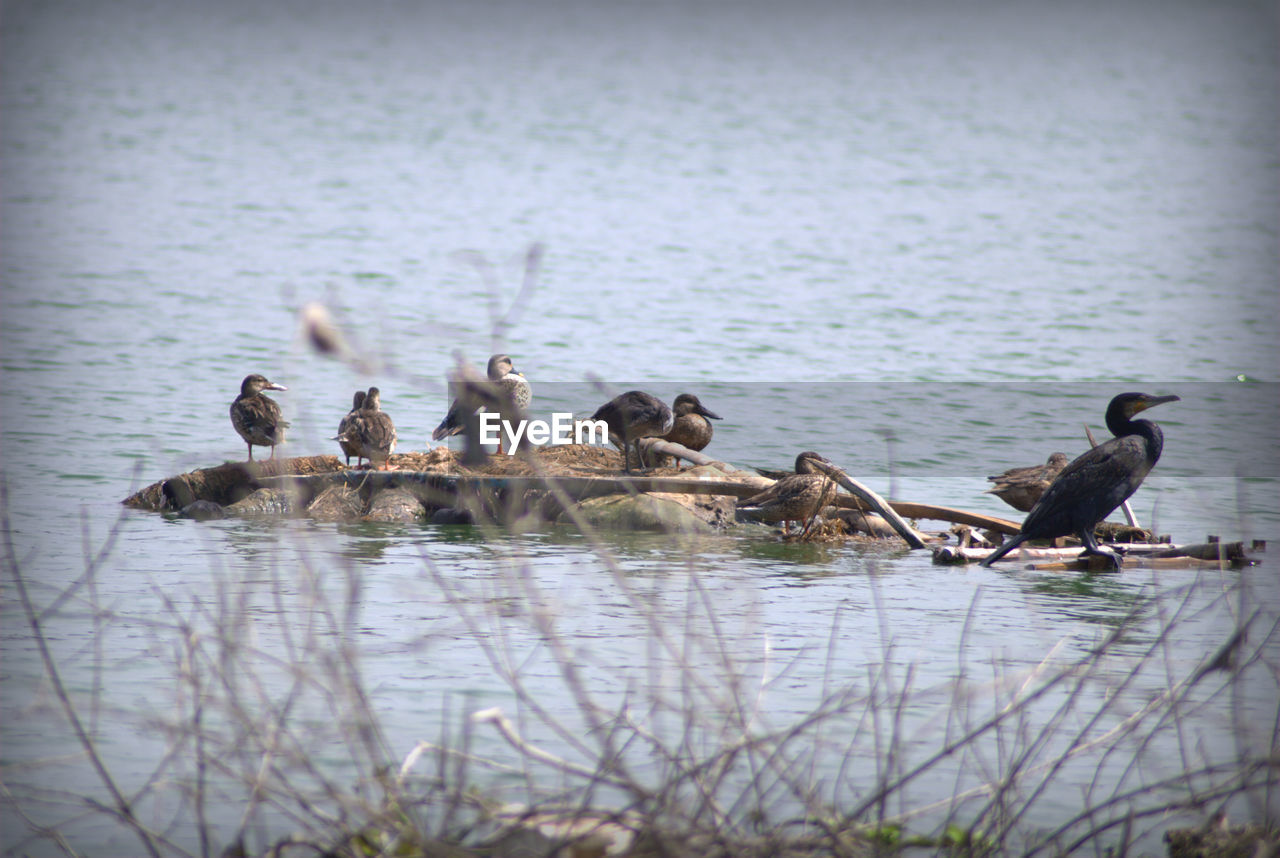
[(1156, 555), (441, 489), (225, 484), (320, 486), (873, 500), (679, 451)]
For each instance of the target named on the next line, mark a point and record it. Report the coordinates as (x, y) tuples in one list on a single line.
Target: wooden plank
[(1159, 554), (911, 509)]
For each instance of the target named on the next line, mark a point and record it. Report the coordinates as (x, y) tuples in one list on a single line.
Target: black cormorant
[(1097, 482)]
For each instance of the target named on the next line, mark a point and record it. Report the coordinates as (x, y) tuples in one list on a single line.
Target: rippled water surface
[(930, 244)]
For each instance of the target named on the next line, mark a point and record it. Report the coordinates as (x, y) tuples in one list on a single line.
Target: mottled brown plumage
[(347, 440), (375, 431), (1020, 488), (796, 497), (511, 392), (257, 417), (691, 428)]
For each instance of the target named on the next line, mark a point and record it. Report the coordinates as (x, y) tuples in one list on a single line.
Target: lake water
[(930, 244)]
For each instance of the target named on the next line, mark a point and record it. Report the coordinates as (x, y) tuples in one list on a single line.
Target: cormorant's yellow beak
[(1150, 402)]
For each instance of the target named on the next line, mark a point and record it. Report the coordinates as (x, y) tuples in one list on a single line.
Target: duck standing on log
[(511, 392), (631, 416), (795, 497), (1091, 487), (350, 443), (374, 430), (691, 427), (1020, 488), (257, 417)]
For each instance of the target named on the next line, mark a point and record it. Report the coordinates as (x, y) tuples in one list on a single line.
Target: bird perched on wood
[(795, 497), (631, 416), (1020, 488), (257, 417), (509, 393), (374, 430), (1099, 480), (349, 442), (691, 427)]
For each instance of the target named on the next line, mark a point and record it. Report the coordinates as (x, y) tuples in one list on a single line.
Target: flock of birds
[(1061, 498), (368, 432)]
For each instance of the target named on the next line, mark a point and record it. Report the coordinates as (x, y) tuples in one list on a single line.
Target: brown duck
[(348, 441), (1020, 488), (374, 430), (795, 497), (692, 428), (631, 416), (511, 390), (257, 417)]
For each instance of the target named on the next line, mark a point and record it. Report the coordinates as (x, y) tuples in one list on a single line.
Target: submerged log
[(225, 484)]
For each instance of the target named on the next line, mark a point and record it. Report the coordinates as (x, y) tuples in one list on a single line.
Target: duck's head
[(804, 462), (255, 383), (500, 366), (687, 403)]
